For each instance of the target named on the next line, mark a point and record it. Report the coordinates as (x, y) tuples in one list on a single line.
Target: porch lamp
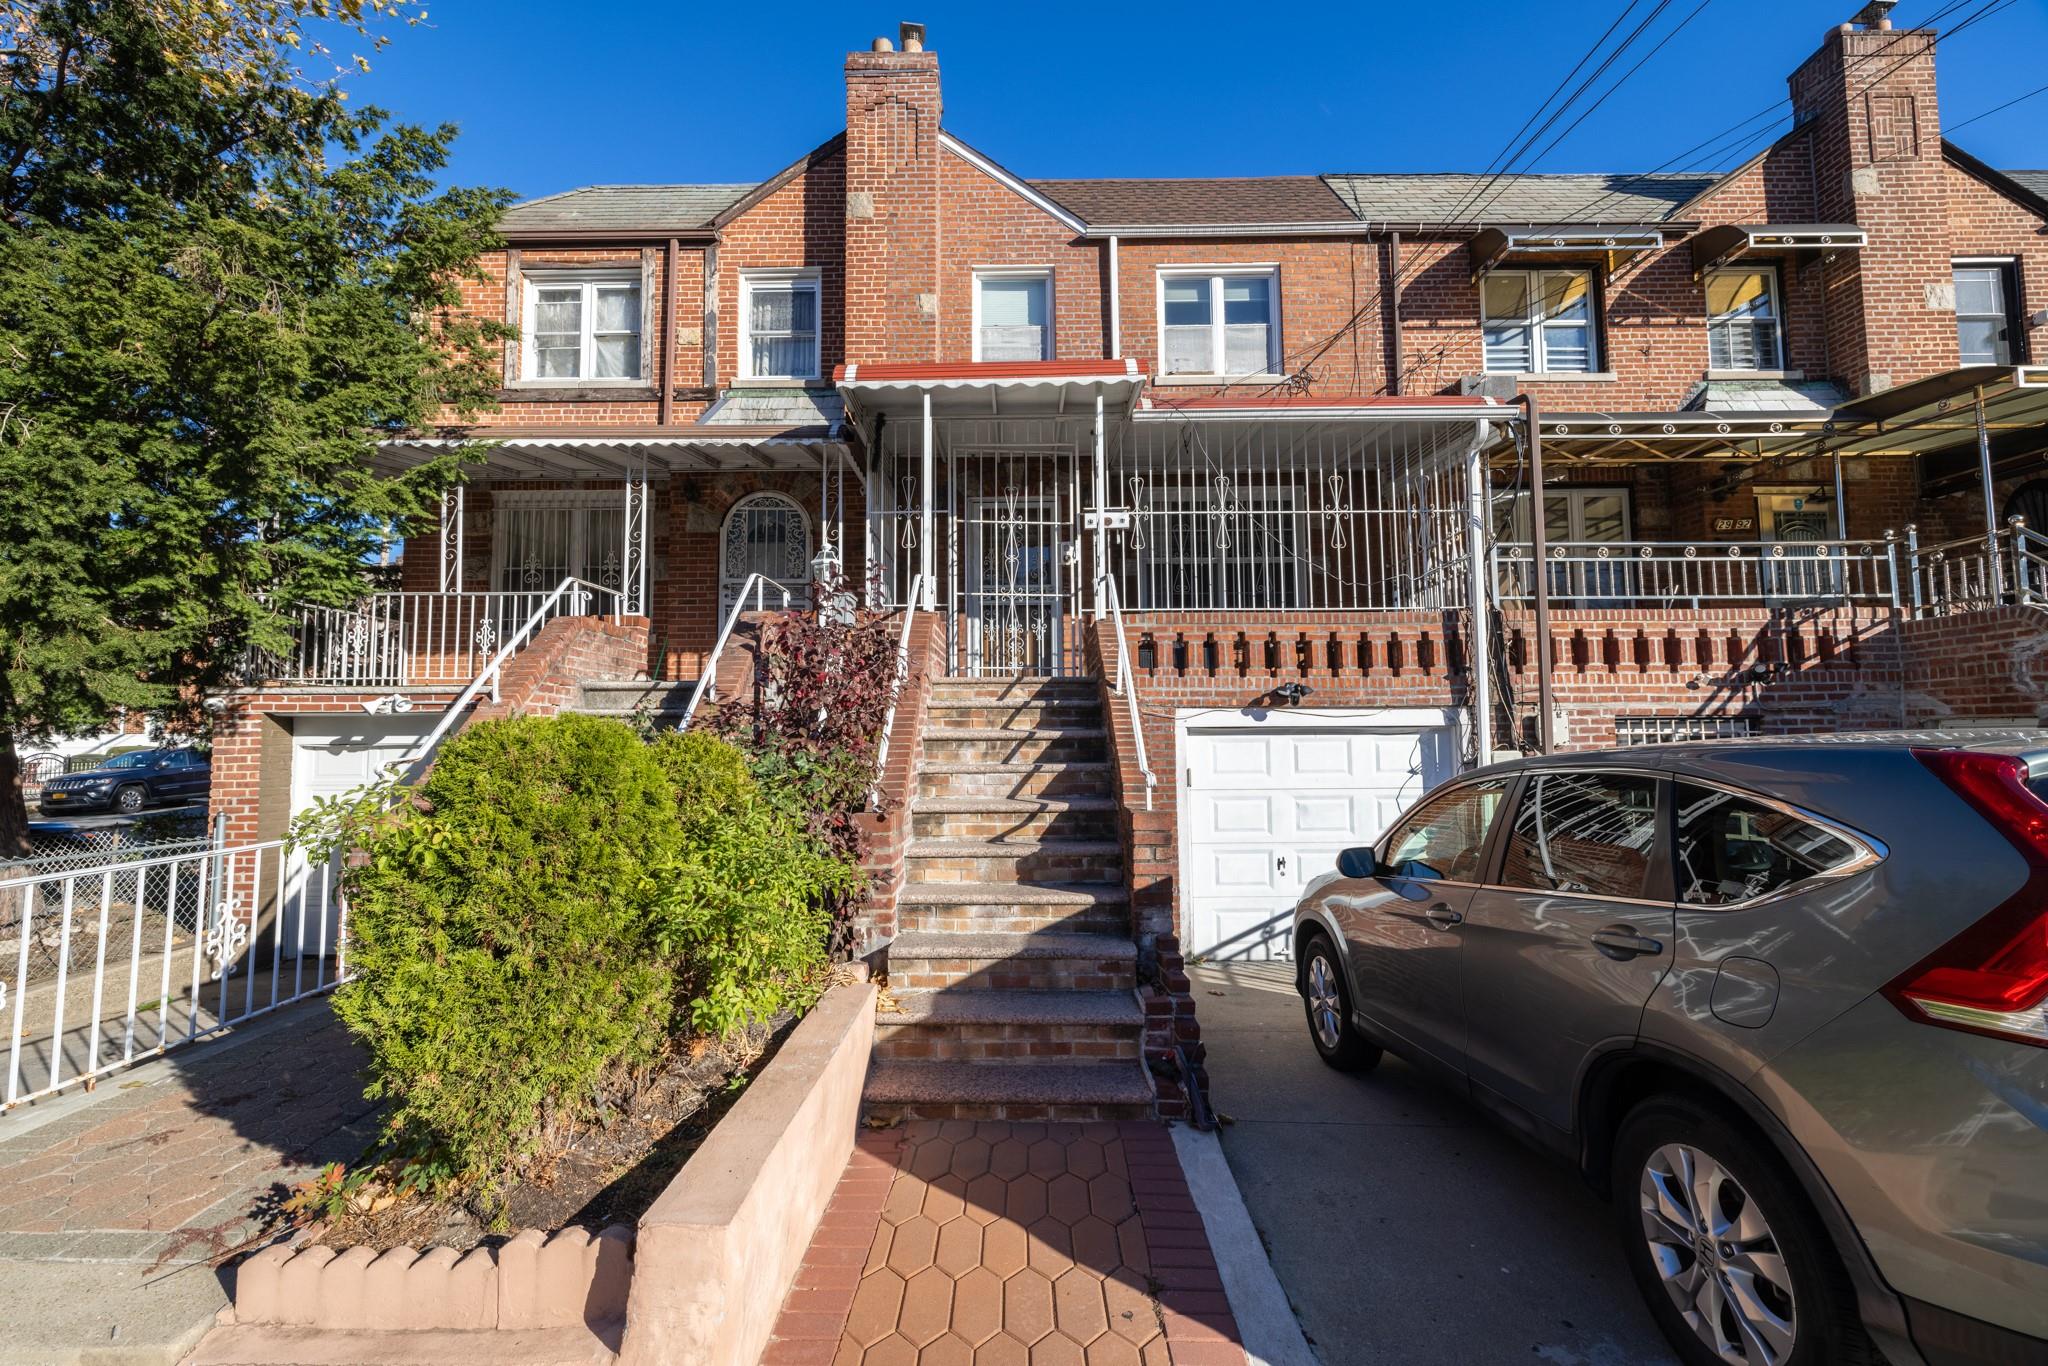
[(1292, 693)]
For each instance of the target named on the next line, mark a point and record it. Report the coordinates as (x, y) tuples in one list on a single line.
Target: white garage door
[(333, 755), (1266, 807)]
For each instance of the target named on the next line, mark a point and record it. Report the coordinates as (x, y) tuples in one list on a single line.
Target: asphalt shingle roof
[(2037, 181), (1254, 199), (1440, 198), (613, 207)]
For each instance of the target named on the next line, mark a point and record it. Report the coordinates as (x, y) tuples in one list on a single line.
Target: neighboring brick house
[(1250, 451)]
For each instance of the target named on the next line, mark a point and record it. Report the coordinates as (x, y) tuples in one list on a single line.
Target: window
[(779, 326), (1218, 324), (1742, 320), (1983, 315), (582, 328), (1538, 321), (1734, 849), (1013, 317), (1585, 833), (540, 537), (1445, 837)]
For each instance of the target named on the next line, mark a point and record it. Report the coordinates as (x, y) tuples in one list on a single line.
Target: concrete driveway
[(1404, 1226)]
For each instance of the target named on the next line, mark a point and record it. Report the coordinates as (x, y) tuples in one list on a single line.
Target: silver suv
[(1786, 1002)]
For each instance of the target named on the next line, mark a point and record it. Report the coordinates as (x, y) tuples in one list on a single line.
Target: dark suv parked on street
[(1786, 1002), (129, 782)]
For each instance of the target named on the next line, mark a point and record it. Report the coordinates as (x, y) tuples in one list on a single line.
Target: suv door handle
[(1620, 941), (1443, 917)]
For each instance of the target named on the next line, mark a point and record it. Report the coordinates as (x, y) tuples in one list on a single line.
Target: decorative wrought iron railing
[(1971, 573), (1637, 574), (414, 640)]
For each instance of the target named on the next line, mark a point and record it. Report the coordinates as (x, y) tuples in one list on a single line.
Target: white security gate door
[(331, 756), (1268, 805)]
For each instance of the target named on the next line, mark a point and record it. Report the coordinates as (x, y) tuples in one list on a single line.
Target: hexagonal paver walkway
[(1005, 1244)]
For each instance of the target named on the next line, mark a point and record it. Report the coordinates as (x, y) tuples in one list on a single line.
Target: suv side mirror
[(1363, 861)]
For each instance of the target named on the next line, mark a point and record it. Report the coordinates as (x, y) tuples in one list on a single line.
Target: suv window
[(1589, 833), (1445, 837), (1733, 848)]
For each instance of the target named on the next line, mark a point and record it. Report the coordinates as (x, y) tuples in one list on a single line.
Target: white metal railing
[(757, 585), (571, 597), (408, 640), (1975, 572), (1125, 687), (910, 609), (1696, 574), (123, 961)]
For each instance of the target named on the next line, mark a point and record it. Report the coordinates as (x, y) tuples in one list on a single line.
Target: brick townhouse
[(1206, 504)]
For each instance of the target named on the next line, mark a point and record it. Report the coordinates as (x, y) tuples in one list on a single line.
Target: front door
[(1016, 548), (1793, 525), (1564, 947)]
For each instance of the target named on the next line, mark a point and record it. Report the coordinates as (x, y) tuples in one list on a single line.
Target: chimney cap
[(912, 35), (881, 45), (1876, 13)]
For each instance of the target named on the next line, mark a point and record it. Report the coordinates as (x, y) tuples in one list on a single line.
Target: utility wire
[(2038, 90)]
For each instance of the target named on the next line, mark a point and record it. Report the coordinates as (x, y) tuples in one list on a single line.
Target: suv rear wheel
[(1328, 1002), (1733, 1264)]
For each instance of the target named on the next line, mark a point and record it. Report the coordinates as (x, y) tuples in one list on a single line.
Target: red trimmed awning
[(983, 371)]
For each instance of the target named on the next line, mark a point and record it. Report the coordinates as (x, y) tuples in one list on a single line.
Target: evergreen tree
[(220, 288)]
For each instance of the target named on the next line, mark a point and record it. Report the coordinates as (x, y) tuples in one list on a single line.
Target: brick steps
[(621, 698), (1075, 907), (1030, 1028), (970, 1090), (1040, 960), (1020, 860), (983, 778), (1027, 818), (998, 745)]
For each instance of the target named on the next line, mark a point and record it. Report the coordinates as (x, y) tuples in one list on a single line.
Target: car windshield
[(139, 758)]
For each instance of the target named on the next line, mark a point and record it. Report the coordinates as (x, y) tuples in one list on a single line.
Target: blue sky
[(550, 96)]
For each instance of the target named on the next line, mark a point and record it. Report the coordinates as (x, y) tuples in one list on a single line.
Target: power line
[(2038, 90)]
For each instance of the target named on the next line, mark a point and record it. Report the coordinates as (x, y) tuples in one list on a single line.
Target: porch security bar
[(1674, 574), (405, 640), (902, 675), (757, 585), (1125, 686), (124, 961), (573, 594)]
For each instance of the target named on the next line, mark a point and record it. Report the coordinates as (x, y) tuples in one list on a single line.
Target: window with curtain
[(582, 328), (1538, 322), (1218, 324), (1983, 316), (1015, 314), (1742, 320), (780, 317)]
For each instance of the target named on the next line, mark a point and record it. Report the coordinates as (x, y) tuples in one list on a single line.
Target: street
[(1404, 1226)]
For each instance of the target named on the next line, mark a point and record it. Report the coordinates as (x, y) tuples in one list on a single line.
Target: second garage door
[(1268, 804)]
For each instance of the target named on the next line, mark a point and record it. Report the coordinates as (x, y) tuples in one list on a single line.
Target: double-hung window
[(1219, 324), (1539, 322), (1984, 312), (779, 326), (582, 327), (1742, 320), (1013, 315)]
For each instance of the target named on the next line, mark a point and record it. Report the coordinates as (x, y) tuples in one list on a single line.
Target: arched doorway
[(767, 534), (2029, 500)]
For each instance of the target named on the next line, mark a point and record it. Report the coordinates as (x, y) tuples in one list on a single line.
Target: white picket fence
[(128, 959)]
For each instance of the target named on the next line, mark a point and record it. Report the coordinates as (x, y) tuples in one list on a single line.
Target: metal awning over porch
[(595, 454), (1054, 388)]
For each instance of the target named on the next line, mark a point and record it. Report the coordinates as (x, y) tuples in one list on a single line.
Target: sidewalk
[(116, 1206), (958, 1242)]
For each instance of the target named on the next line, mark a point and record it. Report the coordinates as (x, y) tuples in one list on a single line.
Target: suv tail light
[(1993, 977)]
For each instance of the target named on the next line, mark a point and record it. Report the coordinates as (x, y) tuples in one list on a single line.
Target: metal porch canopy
[(594, 454), (980, 389), (1561, 241), (1719, 245)]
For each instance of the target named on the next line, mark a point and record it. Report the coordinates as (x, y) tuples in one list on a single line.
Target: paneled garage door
[(1267, 805), (333, 755)]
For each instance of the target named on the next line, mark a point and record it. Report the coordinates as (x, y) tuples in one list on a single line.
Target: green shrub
[(503, 932), (549, 905), (747, 915)]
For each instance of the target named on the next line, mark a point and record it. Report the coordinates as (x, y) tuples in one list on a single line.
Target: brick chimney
[(1867, 97), (892, 201)]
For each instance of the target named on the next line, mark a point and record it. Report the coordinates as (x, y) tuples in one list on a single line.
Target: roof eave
[(600, 236)]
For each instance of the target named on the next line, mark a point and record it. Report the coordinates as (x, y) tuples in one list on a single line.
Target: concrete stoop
[(621, 699), (1014, 971), (270, 1344)]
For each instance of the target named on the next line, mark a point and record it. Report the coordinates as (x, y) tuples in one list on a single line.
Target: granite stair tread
[(928, 847), (1022, 806), (949, 1006), (913, 945), (999, 733), (1021, 769), (977, 1083), (1014, 893)]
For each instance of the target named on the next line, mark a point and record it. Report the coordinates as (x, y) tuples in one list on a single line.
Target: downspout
[(1539, 551), (1394, 310), (1116, 312), (1479, 650)]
